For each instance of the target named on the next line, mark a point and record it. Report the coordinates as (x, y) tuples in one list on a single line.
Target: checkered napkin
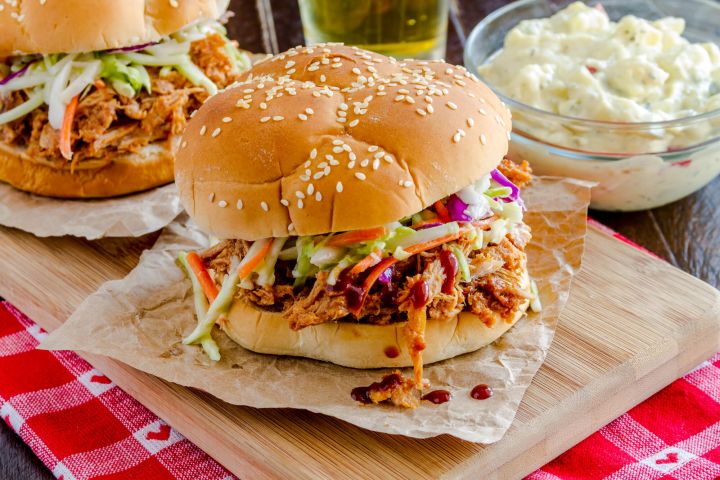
[(79, 423)]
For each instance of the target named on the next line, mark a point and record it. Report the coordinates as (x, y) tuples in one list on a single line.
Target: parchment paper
[(142, 319), (129, 216)]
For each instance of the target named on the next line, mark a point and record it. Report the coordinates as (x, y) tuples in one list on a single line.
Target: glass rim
[(609, 125)]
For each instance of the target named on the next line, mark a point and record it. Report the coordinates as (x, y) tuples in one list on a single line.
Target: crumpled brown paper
[(129, 216), (142, 319)]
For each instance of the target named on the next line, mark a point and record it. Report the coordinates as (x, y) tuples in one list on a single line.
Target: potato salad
[(581, 64)]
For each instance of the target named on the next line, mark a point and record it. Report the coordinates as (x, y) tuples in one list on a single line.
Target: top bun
[(69, 26), (330, 138)]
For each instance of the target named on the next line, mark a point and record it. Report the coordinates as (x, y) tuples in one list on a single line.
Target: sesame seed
[(211, 197), (376, 164), (482, 111), (318, 175), (409, 100), (239, 204), (328, 157), (310, 189), (351, 164), (216, 132), (421, 112), (347, 148), (264, 119), (309, 111), (299, 194), (313, 153), (333, 162), (342, 114), (400, 98), (284, 202), (354, 123), (457, 137), (326, 171), (263, 106), (360, 176), (173, 3), (451, 106), (365, 163), (483, 139), (264, 206), (289, 64), (388, 158), (222, 204), (290, 227), (356, 71), (337, 142), (470, 122), (302, 116), (305, 178), (379, 154), (203, 129), (337, 150), (373, 148), (323, 78), (341, 119), (227, 119), (184, 144), (278, 118), (352, 156), (300, 203), (430, 109), (407, 183), (339, 187)]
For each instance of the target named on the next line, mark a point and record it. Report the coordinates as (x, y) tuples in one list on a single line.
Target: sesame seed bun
[(362, 345), (332, 138), (127, 173), (68, 26)]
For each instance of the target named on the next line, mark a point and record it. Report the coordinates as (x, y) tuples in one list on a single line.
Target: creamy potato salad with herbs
[(581, 64)]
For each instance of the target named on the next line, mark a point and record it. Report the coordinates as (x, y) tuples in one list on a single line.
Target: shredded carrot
[(206, 282), (415, 334), (355, 236), (99, 83), (388, 261), (66, 129), (367, 262), (253, 262), (442, 212)]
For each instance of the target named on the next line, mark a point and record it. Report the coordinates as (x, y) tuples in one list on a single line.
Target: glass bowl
[(636, 165)]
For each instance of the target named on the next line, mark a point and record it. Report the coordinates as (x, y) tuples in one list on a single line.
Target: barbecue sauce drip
[(362, 394), (437, 396), (392, 352), (353, 293), (419, 294), (450, 266), (481, 392)]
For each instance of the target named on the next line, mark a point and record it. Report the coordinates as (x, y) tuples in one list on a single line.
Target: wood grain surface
[(686, 233)]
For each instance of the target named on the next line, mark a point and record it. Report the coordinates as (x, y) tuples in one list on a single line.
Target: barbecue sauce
[(450, 266), (388, 382), (353, 293), (481, 392), (392, 351), (437, 396), (419, 294)]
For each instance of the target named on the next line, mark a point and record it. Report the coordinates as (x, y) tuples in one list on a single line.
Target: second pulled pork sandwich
[(94, 95), (366, 213)]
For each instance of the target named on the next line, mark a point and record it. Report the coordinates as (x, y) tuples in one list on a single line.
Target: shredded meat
[(106, 122), (393, 388), (518, 173)]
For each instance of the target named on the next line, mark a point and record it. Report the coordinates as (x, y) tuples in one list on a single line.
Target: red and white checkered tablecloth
[(82, 426)]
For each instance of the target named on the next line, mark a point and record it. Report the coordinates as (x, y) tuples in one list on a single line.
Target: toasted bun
[(127, 173), (270, 140), (68, 26), (359, 345)]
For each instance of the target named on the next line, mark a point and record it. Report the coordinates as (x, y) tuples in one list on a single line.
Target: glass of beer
[(399, 28)]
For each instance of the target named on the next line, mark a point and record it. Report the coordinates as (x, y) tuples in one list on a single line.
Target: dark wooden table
[(685, 233)]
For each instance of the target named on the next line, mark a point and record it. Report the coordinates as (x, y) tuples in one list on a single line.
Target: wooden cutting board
[(632, 325)]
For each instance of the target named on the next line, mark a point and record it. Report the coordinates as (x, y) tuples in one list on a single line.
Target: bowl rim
[(472, 40)]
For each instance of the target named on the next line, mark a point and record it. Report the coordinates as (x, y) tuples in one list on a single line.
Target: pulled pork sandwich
[(94, 95), (367, 215)]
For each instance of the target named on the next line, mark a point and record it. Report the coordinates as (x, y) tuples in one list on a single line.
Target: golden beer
[(399, 28)]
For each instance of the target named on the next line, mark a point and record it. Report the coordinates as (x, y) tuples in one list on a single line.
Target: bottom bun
[(360, 345), (121, 174)]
